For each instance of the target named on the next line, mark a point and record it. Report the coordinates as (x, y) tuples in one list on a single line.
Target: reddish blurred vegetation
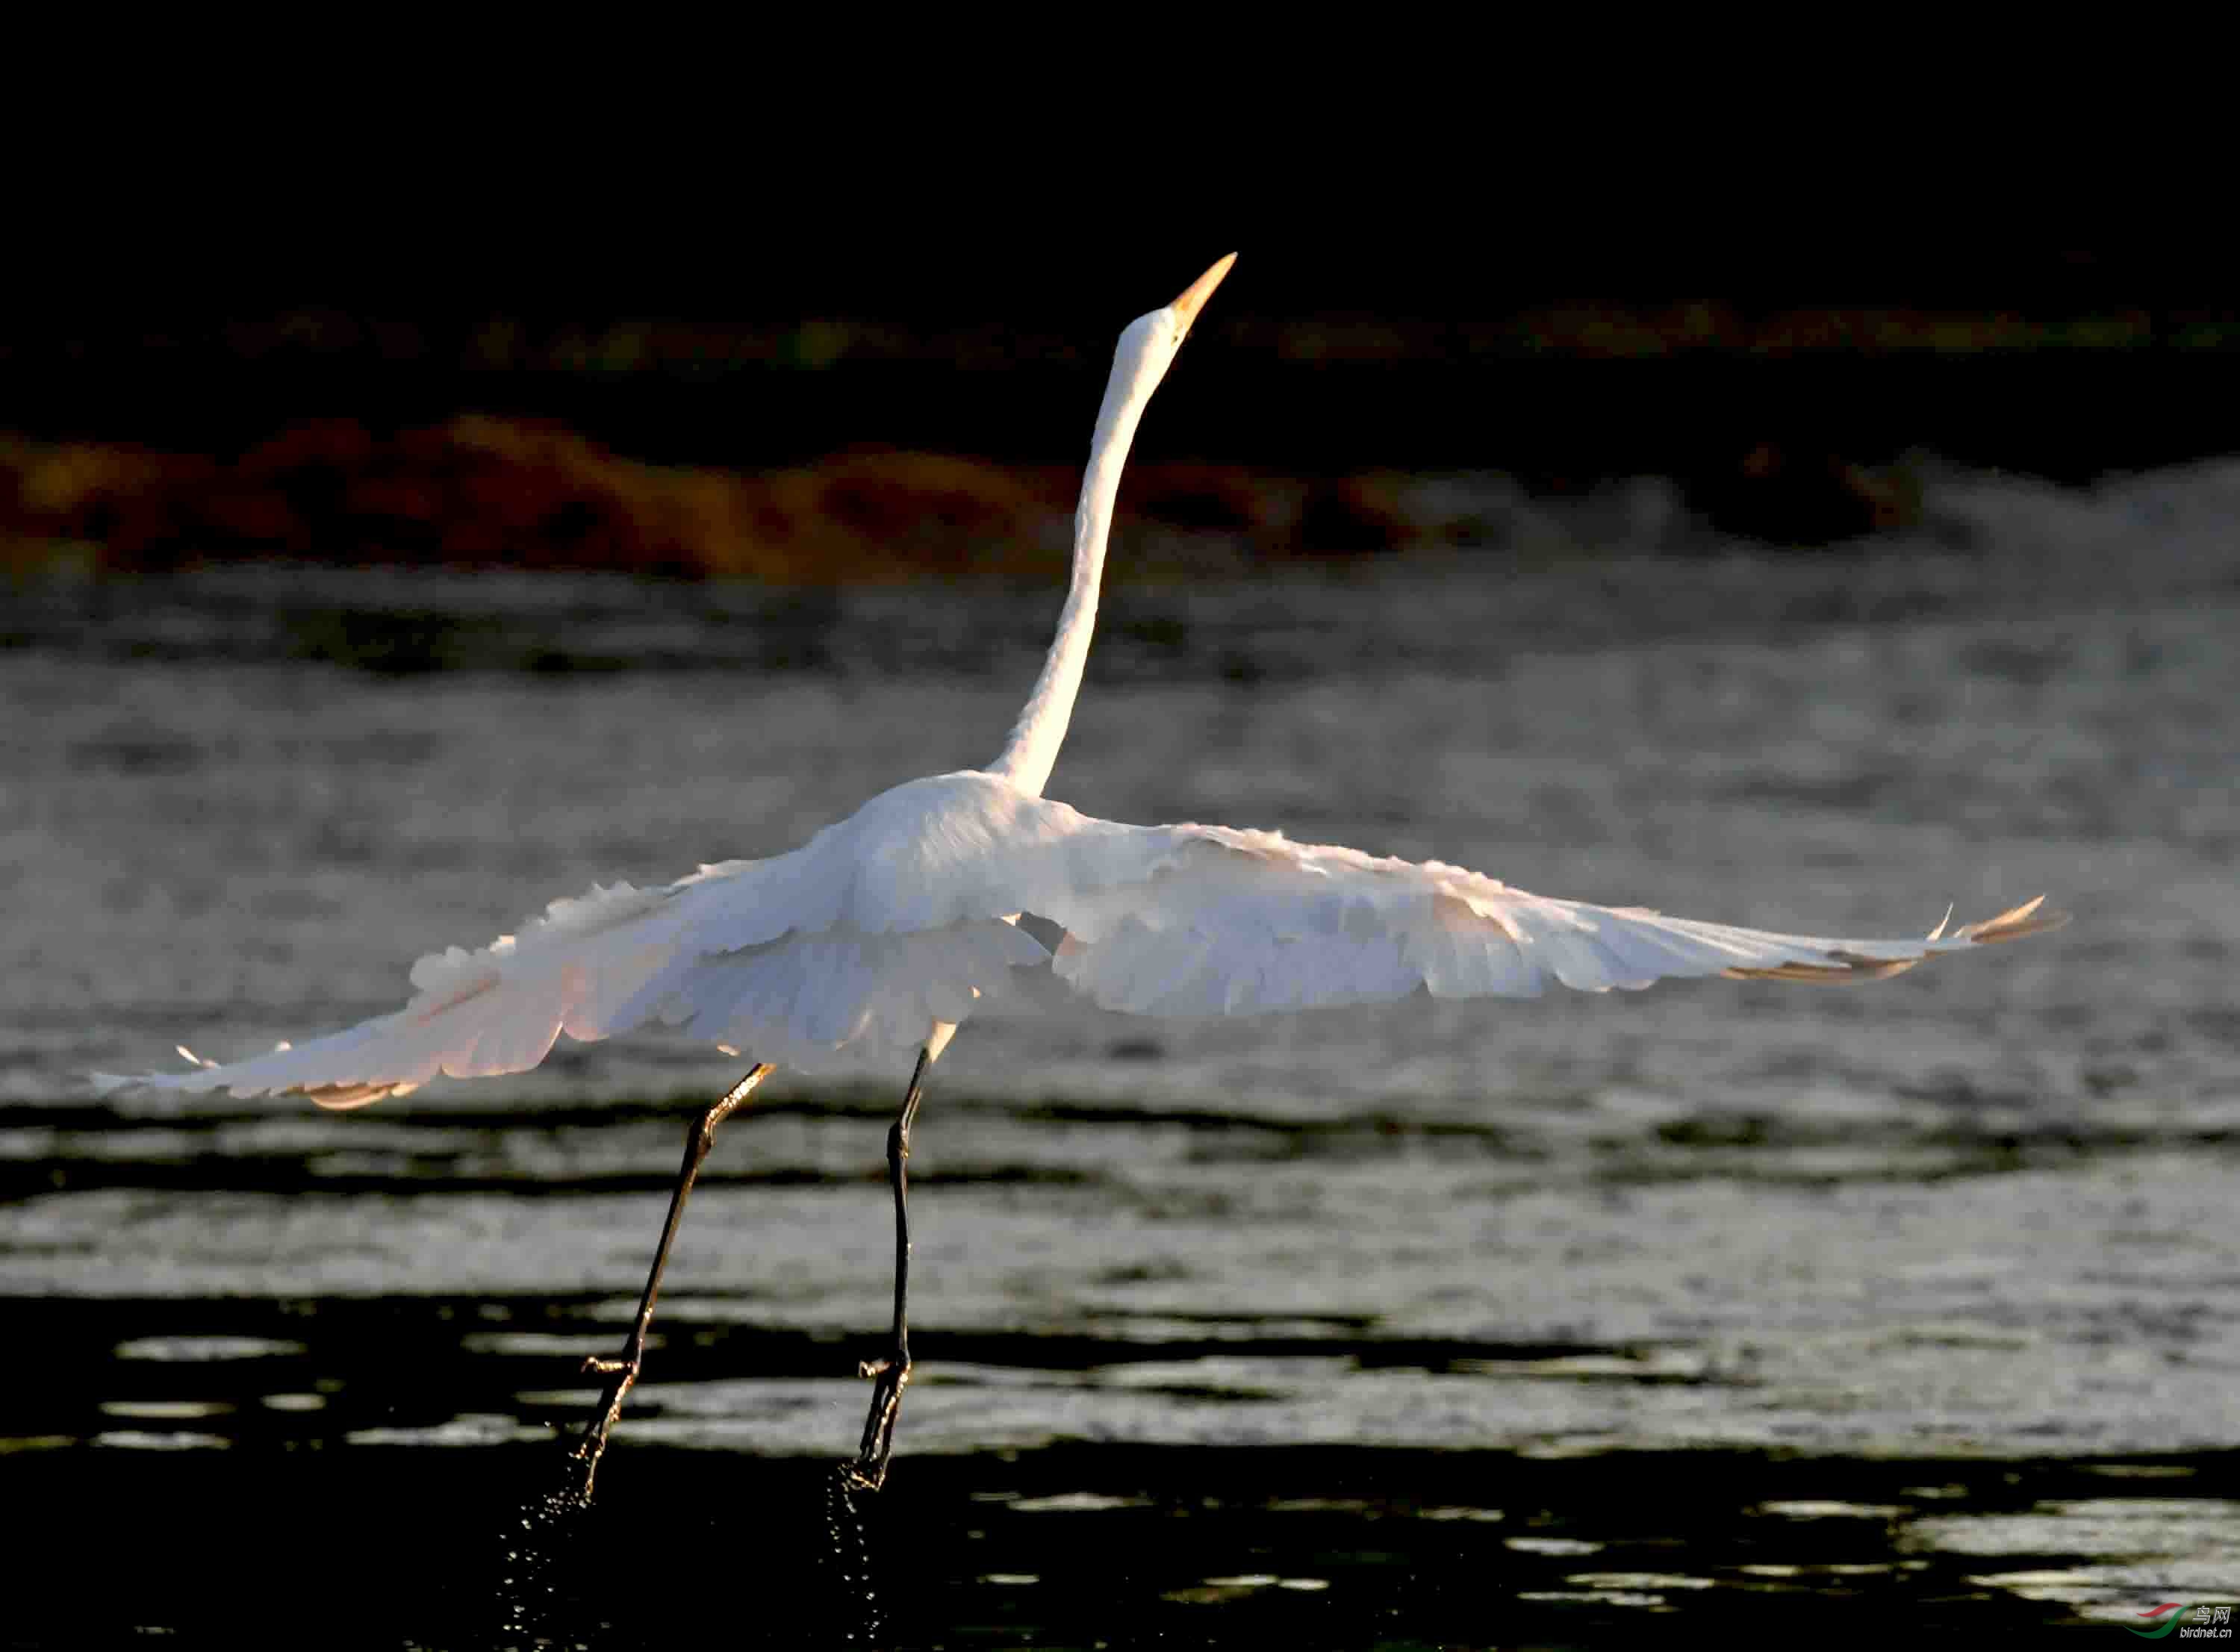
[(480, 490)]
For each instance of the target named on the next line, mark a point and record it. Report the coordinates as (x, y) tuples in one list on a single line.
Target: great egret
[(877, 937)]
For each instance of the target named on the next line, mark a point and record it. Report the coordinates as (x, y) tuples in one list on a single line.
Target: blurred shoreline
[(450, 519), (798, 446), (479, 492)]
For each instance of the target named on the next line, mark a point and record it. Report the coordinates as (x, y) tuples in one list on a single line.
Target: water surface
[(1446, 1324)]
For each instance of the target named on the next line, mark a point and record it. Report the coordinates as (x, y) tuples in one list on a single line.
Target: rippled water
[(1445, 1323)]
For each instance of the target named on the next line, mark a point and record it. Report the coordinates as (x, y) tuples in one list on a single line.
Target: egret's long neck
[(1032, 750)]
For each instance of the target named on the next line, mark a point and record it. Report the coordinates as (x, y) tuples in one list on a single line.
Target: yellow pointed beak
[(1201, 289)]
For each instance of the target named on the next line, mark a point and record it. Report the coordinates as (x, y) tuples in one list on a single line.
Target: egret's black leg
[(624, 1371), (892, 1374)]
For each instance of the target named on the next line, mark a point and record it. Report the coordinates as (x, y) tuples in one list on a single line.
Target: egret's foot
[(892, 1375), (591, 1444), (584, 1456)]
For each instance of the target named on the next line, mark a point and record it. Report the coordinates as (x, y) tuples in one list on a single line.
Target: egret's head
[(1149, 345)]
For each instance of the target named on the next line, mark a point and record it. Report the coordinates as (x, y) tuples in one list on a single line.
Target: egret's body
[(875, 940)]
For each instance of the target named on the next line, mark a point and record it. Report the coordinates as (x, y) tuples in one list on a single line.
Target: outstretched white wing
[(1208, 920), (847, 949)]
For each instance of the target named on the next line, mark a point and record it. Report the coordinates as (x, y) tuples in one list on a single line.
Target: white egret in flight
[(875, 940)]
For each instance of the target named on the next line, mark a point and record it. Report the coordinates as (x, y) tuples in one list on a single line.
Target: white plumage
[(876, 938), (849, 948)]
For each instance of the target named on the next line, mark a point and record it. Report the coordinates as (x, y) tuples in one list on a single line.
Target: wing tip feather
[(2012, 924)]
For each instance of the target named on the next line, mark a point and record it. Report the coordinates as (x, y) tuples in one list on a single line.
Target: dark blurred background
[(805, 406)]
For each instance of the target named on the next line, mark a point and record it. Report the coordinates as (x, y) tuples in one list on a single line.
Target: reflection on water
[(1441, 1323)]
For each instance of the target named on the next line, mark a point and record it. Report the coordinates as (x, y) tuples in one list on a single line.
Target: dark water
[(1084, 1545), (1910, 1306)]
